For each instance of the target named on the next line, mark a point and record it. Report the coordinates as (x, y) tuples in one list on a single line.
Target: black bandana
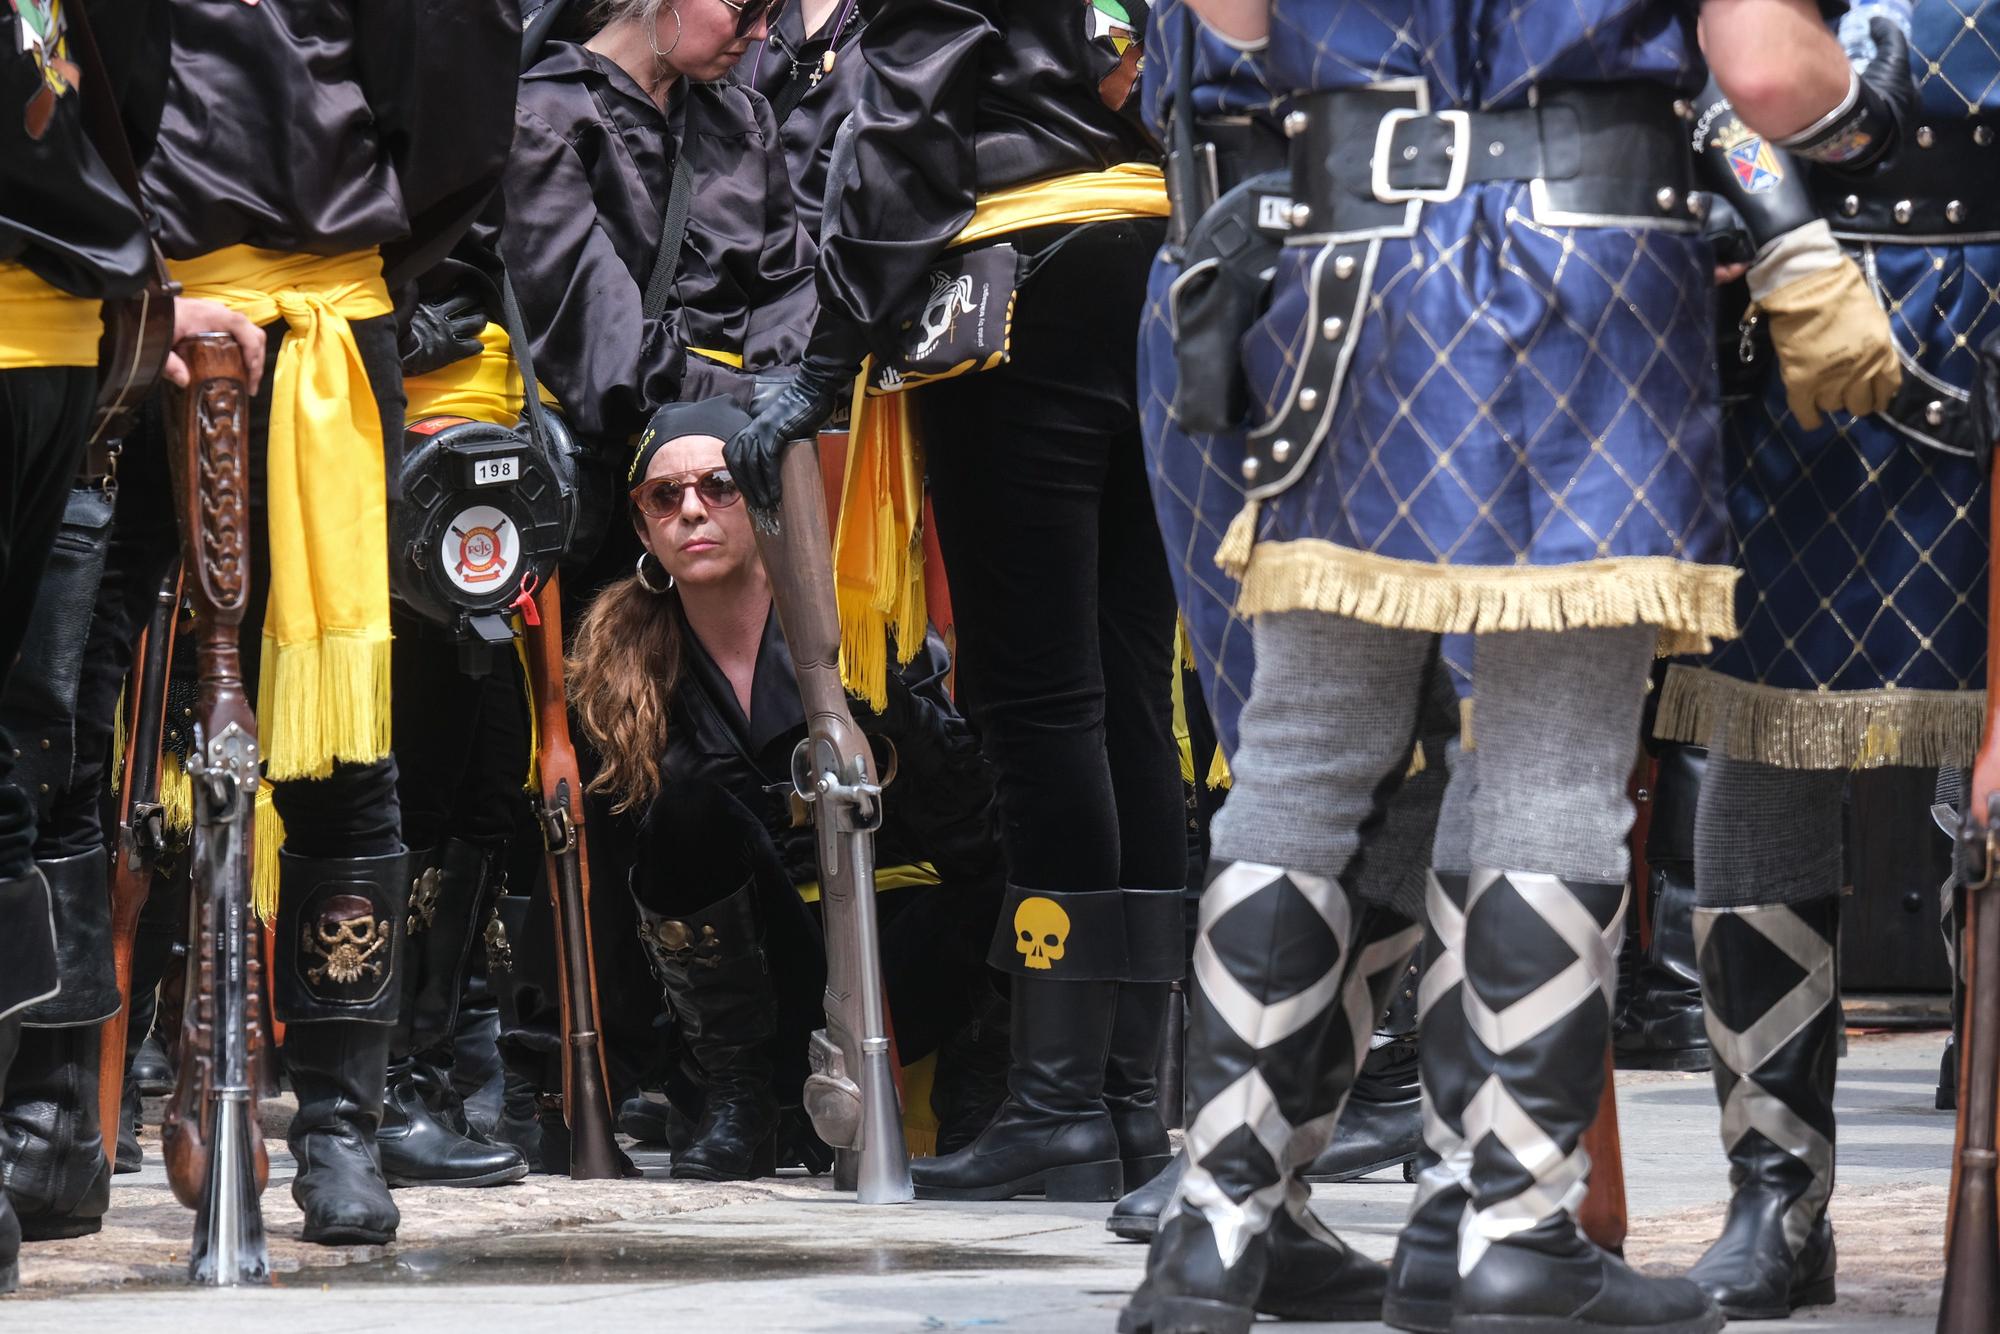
[(717, 417)]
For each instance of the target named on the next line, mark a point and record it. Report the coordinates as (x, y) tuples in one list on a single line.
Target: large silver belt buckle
[(1460, 153)]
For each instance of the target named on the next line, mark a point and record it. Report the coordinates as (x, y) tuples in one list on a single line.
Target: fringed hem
[(321, 701), (1690, 604), (1820, 729), (176, 795), (267, 835)]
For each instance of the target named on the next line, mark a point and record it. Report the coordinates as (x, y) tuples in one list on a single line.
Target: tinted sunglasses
[(750, 12), (660, 497)]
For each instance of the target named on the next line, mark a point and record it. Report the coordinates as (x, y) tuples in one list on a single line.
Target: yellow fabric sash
[(719, 356), (485, 388), (323, 693), (42, 325), (889, 877), (878, 556)]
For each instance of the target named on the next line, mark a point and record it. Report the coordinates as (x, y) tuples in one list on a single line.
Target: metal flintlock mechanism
[(214, 1149), (851, 1093)]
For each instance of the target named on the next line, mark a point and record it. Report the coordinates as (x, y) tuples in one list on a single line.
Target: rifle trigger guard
[(558, 834)]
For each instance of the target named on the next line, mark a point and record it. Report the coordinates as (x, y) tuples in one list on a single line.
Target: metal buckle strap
[(1458, 151)]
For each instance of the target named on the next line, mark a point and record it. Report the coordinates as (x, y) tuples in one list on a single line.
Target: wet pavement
[(559, 1257)]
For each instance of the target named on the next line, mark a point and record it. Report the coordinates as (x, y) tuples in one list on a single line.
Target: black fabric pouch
[(966, 323), (1225, 279)]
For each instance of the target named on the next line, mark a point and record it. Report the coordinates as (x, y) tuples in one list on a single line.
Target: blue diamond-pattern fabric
[(1519, 395), (1482, 53), (1227, 82), (1865, 551)]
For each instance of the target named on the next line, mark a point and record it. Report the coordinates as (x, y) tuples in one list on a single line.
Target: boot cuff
[(1155, 934), (340, 937), (79, 892), (1061, 937)]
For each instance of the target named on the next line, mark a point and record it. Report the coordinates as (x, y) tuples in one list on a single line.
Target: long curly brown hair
[(622, 669)]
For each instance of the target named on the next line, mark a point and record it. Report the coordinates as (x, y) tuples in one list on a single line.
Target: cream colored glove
[(1832, 338)]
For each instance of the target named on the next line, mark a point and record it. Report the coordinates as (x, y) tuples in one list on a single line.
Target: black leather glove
[(1985, 405), (786, 410), (442, 332), (1864, 129)]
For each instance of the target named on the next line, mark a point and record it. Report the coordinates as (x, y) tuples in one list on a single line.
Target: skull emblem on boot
[(349, 937), (1041, 931)]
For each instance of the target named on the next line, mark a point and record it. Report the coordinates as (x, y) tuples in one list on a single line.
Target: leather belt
[(1943, 182), (1363, 159), (1227, 151)]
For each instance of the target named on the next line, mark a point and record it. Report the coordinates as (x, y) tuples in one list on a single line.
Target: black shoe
[(150, 1074), (1776, 1252), (476, 1077), (1052, 1135), (419, 1148), (58, 1177), (1371, 1136), (10, 1227), (1131, 1074), (1549, 1066), (337, 1069), (131, 1158), (651, 1120), (1293, 1271), (1136, 1216), (711, 965), (1423, 1273), (1661, 1026)]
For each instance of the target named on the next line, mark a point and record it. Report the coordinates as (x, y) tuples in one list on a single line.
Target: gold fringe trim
[(1218, 771), (1820, 729), (1232, 554), (1691, 604), (176, 794), (323, 700), (267, 835), (1465, 723)]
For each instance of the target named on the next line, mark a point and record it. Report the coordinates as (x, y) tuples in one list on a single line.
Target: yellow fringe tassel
[(1820, 729), (176, 794), (878, 548), (1232, 554), (1691, 604), (533, 782), (267, 836), (1464, 724), (1218, 771), (920, 1123), (323, 700)]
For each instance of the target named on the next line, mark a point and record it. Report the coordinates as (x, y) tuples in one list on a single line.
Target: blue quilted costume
[(1864, 543)]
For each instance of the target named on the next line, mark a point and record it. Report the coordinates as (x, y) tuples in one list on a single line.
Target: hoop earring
[(653, 35), (639, 571)]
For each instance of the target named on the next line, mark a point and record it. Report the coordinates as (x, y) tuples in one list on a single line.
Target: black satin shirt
[(329, 126), (62, 213), (585, 189), (960, 98), (809, 94)]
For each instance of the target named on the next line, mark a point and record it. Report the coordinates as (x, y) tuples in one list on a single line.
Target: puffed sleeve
[(781, 315)]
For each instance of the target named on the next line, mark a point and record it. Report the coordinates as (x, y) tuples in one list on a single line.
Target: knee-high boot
[(1269, 1077), (58, 1177), (717, 981), (1053, 1134), (336, 987), (1539, 958), (423, 1139), (1661, 1026), (1774, 1022), (1155, 959), (1383, 1125)]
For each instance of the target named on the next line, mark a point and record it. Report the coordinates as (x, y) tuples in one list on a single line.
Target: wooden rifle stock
[(141, 834), (593, 1152), (1602, 1215), (214, 1148), (1972, 1234)]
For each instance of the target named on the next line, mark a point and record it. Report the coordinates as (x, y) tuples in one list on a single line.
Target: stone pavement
[(557, 1257)]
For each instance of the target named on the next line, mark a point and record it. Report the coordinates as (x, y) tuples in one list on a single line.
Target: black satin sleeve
[(605, 362), (782, 268)]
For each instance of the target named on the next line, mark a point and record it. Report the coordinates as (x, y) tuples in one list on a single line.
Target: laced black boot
[(1545, 1022), (1661, 1026), (424, 1139), (336, 988), (1052, 1134), (711, 965), (1768, 977), (1269, 1078)]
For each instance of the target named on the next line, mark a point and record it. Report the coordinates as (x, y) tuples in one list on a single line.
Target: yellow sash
[(485, 388), (889, 877), (42, 325), (720, 357), (878, 557), (323, 692)]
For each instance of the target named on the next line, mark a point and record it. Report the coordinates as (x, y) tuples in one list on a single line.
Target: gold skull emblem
[(1041, 931), (348, 936)]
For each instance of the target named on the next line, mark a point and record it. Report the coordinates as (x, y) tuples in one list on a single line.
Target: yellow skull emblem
[(1041, 928)]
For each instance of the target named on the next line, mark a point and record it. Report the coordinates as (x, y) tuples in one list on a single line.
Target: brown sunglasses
[(661, 497)]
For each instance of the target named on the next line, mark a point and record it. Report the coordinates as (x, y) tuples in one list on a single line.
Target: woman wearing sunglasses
[(682, 680), (599, 129)]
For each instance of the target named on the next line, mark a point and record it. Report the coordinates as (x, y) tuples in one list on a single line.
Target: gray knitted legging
[(1766, 835), (1333, 710)]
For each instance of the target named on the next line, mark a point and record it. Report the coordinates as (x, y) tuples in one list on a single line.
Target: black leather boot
[(1776, 1252), (57, 1173), (1382, 1125), (1423, 1273), (336, 987), (711, 965), (1154, 925), (1268, 1077), (1053, 1134), (423, 1139), (1661, 1027), (972, 1064), (1136, 1216), (131, 1158), (10, 1226), (1525, 1265)]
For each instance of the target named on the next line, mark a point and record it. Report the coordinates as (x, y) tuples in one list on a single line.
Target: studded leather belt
[(1943, 183)]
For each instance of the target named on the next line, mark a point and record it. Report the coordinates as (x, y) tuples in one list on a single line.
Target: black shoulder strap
[(674, 221), (100, 110)]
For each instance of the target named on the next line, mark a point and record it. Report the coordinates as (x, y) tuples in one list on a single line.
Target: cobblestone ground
[(560, 1257)]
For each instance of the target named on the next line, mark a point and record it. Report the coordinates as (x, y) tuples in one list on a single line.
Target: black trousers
[(1058, 576), (461, 741), (44, 412)]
